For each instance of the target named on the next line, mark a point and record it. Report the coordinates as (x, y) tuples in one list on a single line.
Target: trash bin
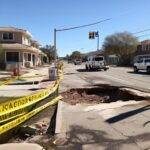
[(52, 73)]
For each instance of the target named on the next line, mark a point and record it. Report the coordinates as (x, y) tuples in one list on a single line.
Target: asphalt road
[(119, 125), (118, 76)]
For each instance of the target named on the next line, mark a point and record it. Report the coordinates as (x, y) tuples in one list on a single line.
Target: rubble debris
[(27, 131)]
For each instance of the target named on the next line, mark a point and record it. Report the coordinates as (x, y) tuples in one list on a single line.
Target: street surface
[(108, 126), (118, 76)]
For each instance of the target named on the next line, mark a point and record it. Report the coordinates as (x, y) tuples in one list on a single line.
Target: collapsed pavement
[(103, 93)]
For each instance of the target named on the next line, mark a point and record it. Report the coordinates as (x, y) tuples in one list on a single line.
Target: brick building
[(143, 50)]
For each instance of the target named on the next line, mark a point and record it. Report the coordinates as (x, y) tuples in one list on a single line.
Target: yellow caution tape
[(20, 103), (4, 128), (14, 114), (17, 107)]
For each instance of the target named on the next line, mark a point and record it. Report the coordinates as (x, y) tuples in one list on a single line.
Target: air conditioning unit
[(27, 64)]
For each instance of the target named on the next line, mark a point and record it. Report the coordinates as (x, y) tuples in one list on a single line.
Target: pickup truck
[(143, 64), (96, 62)]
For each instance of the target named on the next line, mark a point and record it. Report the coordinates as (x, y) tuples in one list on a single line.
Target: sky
[(40, 17)]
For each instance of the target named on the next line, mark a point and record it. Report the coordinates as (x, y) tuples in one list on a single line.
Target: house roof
[(99, 52), (145, 42), (21, 47), (13, 29)]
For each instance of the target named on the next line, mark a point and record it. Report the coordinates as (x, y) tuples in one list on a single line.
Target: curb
[(58, 118)]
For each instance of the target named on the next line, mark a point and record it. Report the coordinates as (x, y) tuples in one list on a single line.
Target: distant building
[(112, 59), (143, 50), (143, 47), (19, 48)]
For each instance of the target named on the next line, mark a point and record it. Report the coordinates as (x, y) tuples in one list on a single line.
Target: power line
[(82, 26), (141, 31), (91, 24)]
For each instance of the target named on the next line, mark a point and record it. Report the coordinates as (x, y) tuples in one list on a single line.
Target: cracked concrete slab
[(86, 129)]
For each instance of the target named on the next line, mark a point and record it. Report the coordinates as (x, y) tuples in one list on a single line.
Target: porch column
[(32, 59)]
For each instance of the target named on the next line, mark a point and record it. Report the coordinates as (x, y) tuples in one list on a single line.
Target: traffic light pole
[(98, 42)]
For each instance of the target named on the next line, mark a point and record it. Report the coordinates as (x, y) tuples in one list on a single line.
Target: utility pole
[(55, 48)]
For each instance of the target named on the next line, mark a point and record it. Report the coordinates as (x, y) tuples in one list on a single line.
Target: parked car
[(96, 62), (78, 62), (143, 64), (69, 61)]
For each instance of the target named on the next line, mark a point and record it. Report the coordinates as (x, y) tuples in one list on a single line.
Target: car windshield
[(99, 58)]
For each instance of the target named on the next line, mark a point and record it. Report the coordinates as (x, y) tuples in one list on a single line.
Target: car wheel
[(86, 67), (148, 69), (90, 68), (135, 69)]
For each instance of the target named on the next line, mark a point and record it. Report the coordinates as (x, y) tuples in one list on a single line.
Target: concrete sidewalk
[(28, 83), (20, 146), (114, 126)]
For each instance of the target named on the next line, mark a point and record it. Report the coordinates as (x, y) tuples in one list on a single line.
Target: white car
[(96, 62), (143, 64)]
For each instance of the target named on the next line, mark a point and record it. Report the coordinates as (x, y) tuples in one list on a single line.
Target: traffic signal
[(91, 35), (96, 34)]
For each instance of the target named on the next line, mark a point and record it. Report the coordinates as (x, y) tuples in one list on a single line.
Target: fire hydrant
[(15, 72)]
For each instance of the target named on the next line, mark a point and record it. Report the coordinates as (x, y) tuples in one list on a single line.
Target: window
[(8, 36), (147, 47), (147, 61), (12, 56), (99, 58), (140, 61)]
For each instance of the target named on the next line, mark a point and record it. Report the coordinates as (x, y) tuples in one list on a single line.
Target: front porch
[(15, 59)]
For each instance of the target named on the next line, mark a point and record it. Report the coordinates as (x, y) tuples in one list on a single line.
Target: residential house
[(19, 48)]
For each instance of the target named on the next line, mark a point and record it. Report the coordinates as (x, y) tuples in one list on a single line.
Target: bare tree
[(122, 44)]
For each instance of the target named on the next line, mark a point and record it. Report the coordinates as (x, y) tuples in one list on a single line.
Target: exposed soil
[(96, 95)]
